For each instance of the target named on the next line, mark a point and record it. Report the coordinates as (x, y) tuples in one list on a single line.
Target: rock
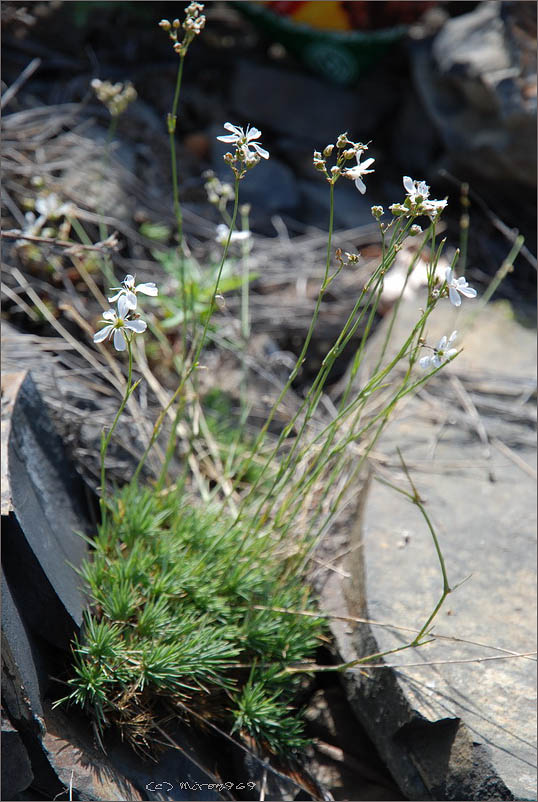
[(23, 675), (478, 83), (49, 507), (351, 209), (298, 105), (463, 727), (177, 774), (78, 764), (16, 767)]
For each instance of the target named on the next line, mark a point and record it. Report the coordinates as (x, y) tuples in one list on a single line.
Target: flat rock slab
[(457, 718), (44, 507)]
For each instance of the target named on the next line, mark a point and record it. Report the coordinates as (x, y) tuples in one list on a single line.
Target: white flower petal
[(367, 163), (136, 325), (469, 292), (228, 138), (450, 353), (234, 129), (425, 362), (448, 275), (452, 337), (150, 288), (260, 151), (454, 297), (103, 334), (442, 344), (123, 306), (409, 184), (131, 300), (437, 360), (109, 315), (253, 133), (119, 340), (361, 186), (115, 297)]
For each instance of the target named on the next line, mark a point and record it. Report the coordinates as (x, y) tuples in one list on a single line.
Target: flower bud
[(165, 24), (414, 231), (377, 212), (328, 150)]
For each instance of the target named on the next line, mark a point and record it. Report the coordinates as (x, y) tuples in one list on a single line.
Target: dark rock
[(176, 774), (23, 675), (351, 209), (48, 509), (84, 771), (304, 107), (16, 767), (478, 83), (414, 146)]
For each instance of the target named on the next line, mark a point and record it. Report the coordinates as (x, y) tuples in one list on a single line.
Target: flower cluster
[(192, 25), (247, 152), (345, 150), (417, 201), (48, 207), (119, 323), (223, 233), (218, 192), (116, 97)]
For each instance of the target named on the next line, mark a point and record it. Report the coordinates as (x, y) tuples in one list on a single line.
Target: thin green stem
[(192, 359), (172, 118), (105, 439)]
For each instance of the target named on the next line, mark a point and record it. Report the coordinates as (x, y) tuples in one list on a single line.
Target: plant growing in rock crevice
[(187, 596)]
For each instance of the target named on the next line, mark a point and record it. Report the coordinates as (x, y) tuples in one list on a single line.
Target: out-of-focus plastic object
[(339, 40)]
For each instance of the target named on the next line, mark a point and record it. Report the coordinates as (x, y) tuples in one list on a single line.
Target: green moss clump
[(175, 623)]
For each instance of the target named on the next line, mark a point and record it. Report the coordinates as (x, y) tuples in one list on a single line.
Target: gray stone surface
[(16, 767), (22, 674), (450, 729), (478, 83), (299, 105), (47, 501)]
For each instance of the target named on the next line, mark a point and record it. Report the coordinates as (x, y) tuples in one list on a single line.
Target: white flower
[(237, 236), (417, 191), (129, 291), (243, 141), (356, 173), (49, 207), (433, 208), (441, 354), (457, 285), (117, 323)]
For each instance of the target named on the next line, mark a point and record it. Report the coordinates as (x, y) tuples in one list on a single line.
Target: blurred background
[(443, 91)]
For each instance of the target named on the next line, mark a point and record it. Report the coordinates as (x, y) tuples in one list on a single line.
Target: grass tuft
[(173, 621)]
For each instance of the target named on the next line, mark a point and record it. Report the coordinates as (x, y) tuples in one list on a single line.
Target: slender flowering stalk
[(192, 26), (122, 329)]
